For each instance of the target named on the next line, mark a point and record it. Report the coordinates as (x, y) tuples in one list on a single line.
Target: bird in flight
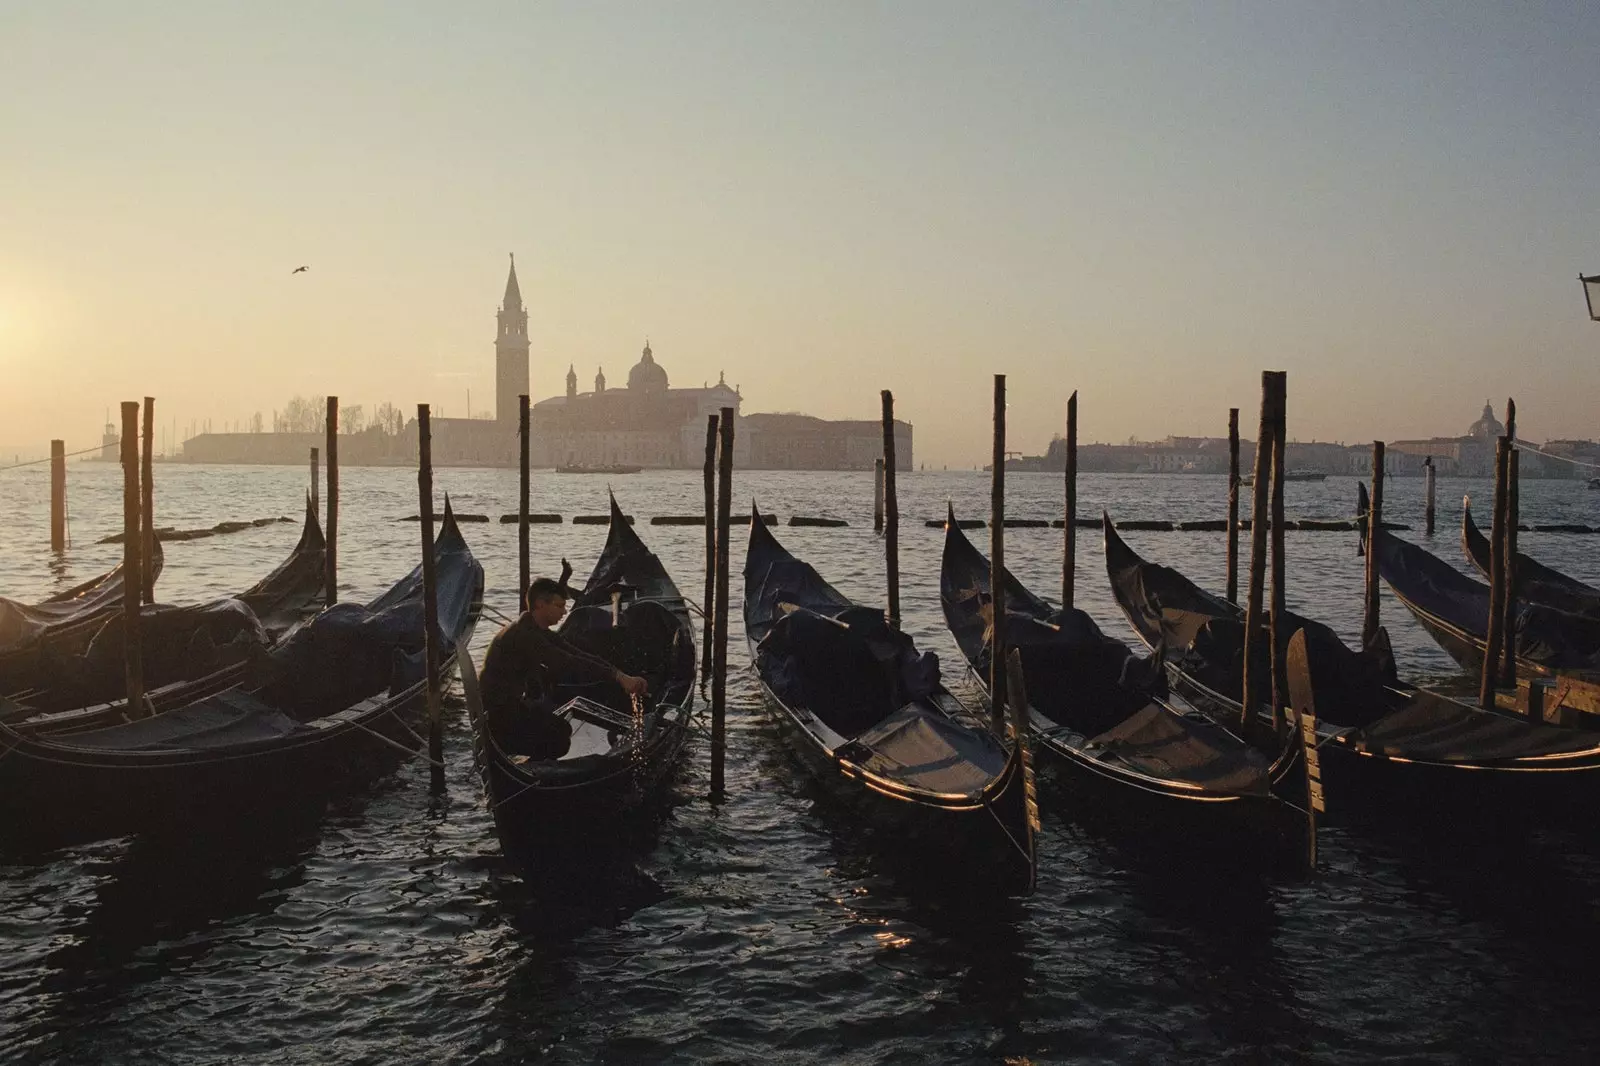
[(299, 269)]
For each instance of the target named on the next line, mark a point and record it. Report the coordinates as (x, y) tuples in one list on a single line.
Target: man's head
[(547, 601)]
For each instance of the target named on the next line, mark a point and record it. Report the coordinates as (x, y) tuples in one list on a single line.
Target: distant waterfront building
[(648, 423), (801, 442)]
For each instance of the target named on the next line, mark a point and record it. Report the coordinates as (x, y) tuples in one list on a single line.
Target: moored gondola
[(23, 624), (621, 761), (73, 676), (868, 715), (1379, 739), (334, 701), (1106, 718), (1535, 581), (1454, 609)]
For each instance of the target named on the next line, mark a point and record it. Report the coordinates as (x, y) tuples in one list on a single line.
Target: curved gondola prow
[(1020, 764), (1474, 545)]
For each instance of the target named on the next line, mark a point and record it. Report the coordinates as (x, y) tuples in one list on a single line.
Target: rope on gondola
[(397, 745)]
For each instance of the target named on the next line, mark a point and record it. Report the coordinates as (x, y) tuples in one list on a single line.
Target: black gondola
[(337, 695), (620, 762), (1377, 737), (1454, 609), (1104, 714), (1535, 581), (79, 668), (868, 715)]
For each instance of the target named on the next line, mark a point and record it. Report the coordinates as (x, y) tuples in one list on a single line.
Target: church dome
[(1487, 426), (647, 375)]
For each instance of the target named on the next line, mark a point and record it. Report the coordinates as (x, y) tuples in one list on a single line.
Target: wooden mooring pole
[(708, 627), (1497, 579), (1260, 492), (316, 486), (1276, 637), (58, 495), (430, 588), (997, 561), (1428, 472), (719, 657), (1370, 620), (891, 518), (1508, 632), (147, 505), (332, 554), (877, 495), (524, 574), (1233, 505), (132, 583), (1069, 550)]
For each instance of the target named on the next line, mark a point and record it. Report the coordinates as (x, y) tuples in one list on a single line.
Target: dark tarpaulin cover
[(1203, 637), (229, 718), (1542, 634), (928, 751), (851, 669), (1443, 730), (1157, 742)]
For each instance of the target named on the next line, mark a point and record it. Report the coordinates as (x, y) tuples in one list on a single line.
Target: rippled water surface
[(386, 928)]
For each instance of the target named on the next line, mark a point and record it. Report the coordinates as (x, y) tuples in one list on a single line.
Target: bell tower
[(510, 351)]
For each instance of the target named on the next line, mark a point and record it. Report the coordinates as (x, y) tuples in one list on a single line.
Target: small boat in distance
[(609, 468), (1290, 475)]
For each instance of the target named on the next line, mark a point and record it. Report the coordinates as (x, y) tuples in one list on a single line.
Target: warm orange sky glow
[(1148, 203)]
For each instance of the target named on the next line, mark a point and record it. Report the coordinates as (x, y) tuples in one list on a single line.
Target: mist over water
[(385, 927)]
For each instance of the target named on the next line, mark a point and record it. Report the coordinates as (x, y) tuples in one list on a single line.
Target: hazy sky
[(1150, 203)]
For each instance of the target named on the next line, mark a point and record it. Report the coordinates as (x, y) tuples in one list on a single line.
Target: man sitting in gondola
[(530, 669)]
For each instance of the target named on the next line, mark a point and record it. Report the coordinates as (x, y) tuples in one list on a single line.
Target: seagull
[(299, 269)]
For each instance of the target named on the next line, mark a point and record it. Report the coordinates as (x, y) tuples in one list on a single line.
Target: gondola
[(1535, 581), (332, 703), (79, 669), (1454, 609), (1104, 716), (868, 715), (1379, 740), (620, 762)]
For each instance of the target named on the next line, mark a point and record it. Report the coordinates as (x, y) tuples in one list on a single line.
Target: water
[(386, 928)]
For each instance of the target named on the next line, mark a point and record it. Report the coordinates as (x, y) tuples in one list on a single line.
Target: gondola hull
[(319, 721), (977, 842), (1363, 784), (547, 811), (58, 794)]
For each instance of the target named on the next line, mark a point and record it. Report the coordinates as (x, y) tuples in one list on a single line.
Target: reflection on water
[(387, 927)]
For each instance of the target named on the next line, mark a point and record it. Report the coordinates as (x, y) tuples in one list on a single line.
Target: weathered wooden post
[(132, 582), (1497, 580), (1276, 637), (719, 663), (997, 561), (316, 486), (332, 553), (1233, 505), (708, 625), (1069, 556), (877, 495), (147, 505), (58, 495), (1427, 506), (430, 588), (1369, 591), (1259, 521), (891, 518), (1508, 628), (1508, 634), (524, 574)]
